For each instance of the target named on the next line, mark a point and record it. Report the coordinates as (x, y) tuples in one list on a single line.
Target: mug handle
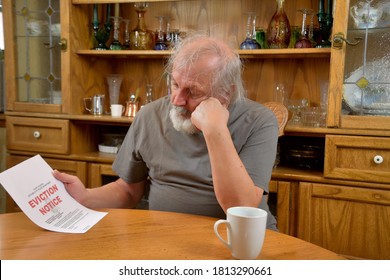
[(88, 100), (216, 225)]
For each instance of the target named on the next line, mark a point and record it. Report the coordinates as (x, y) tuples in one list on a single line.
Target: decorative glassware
[(250, 40), (126, 37), (311, 31), (141, 38), (160, 40), (114, 82), (295, 35), (101, 31), (115, 44), (261, 38), (304, 40), (174, 37), (279, 31), (295, 106), (149, 94), (325, 22), (281, 93)]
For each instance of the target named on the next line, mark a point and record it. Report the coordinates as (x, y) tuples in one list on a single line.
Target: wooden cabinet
[(352, 216), (349, 220), (70, 134), (284, 204), (83, 70), (42, 63), (97, 172), (38, 135), (359, 80), (358, 158)]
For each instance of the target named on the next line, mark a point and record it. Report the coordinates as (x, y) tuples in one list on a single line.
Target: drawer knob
[(378, 159), (36, 134)]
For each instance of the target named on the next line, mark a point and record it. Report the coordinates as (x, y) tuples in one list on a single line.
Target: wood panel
[(10, 58), (352, 158), (95, 173), (346, 220), (284, 207), (301, 78), (55, 136), (40, 135), (370, 122)]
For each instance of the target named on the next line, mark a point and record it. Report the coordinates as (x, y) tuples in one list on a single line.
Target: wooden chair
[(281, 114)]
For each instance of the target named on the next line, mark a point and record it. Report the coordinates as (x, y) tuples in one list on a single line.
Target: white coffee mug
[(117, 110), (246, 228)]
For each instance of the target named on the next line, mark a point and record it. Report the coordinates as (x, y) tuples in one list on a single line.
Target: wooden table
[(139, 234)]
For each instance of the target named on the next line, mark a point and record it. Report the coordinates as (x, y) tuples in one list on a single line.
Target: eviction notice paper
[(45, 200)]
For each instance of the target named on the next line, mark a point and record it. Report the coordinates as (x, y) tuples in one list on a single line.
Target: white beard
[(180, 122)]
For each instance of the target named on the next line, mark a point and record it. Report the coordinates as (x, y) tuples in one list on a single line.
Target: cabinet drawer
[(357, 158), (38, 135)]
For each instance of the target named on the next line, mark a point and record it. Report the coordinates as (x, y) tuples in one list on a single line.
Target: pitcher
[(95, 104), (131, 107)]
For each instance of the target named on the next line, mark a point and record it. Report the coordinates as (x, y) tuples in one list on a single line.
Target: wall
[(2, 168)]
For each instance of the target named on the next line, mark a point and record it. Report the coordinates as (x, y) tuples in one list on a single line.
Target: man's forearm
[(232, 184)]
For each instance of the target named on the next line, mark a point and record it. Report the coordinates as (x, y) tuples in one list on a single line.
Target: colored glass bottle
[(141, 38), (279, 30)]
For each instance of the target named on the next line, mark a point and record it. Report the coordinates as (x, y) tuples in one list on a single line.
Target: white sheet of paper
[(45, 200)]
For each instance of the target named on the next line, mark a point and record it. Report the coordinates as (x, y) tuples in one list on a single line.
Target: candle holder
[(101, 31), (115, 44), (102, 35), (126, 39), (160, 40), (304, 40), (325, 22)]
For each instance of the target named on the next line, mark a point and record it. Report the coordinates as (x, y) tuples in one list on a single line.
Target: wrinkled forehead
[(196, 67)]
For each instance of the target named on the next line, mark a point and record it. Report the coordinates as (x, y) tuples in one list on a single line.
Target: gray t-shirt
[(178, 166)]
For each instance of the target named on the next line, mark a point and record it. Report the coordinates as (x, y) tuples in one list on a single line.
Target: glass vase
[(141, 38), (160, 36), (304, 40), (250, 43), (279, 31), (115, 44), (114, 82)]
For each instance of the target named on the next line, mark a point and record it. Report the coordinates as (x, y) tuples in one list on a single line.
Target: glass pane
[(367, 65), (37, 35)]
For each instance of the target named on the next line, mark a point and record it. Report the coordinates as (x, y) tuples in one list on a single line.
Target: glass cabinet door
[(364, 77), (36, 52)]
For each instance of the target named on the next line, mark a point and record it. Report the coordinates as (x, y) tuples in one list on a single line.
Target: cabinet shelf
[(300, 130), (116, 1), (286, 53), (103, 119), (265, 53)]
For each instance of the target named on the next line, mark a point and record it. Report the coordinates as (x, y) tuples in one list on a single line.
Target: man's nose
[(179, 98)]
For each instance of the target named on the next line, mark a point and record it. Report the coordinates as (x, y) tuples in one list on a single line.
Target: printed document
[(45, 200)]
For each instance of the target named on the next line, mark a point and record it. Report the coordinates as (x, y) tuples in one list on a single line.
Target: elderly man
[(202, 149)]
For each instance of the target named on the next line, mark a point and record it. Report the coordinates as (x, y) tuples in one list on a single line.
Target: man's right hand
[(73, 185)]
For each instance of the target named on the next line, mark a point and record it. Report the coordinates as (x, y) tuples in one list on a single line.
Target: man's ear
[(229, 95)]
